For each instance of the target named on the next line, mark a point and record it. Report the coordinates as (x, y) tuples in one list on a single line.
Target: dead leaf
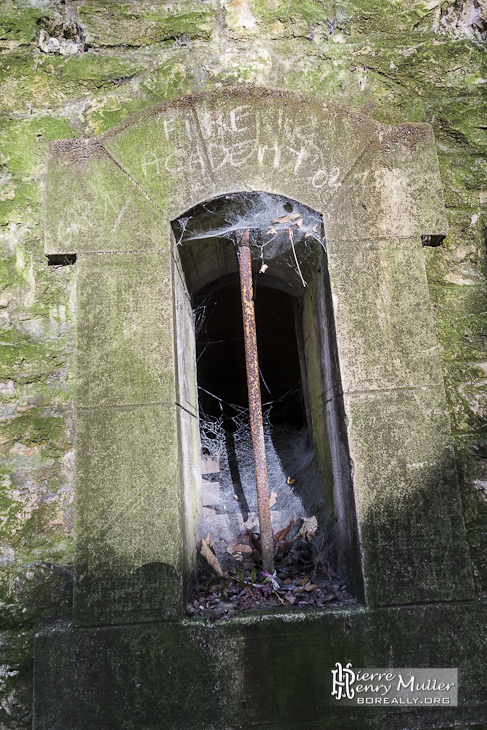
[(298, 223), (242, 548), (282, 534), (308, 235), (283, 546), (329, 597), (263, 269), (315, 228), (271, 231), (289, 218), (308, 528), (210, 556), (290, 480), (310, 587), (272, 499)]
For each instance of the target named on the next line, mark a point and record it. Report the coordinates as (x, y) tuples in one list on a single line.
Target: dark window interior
[(221, 355)]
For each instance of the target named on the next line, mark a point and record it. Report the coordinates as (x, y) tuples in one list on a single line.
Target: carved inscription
[(220, 139), (232, 138), (81, 219)]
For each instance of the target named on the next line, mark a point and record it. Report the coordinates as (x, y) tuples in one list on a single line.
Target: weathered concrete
[(125, 349), (262, 671), (128, 552), (91, 205), (392, 174), (381, 295)]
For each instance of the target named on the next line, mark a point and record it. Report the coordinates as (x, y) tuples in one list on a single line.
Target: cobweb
[(282, 233), (285, 237)]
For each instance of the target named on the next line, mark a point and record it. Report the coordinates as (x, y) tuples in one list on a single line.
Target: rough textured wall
[(76, 69)]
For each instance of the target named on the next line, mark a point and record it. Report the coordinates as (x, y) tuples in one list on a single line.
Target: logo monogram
[(343, 678)]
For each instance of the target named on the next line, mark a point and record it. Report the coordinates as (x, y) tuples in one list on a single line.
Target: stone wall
[(75, 69)]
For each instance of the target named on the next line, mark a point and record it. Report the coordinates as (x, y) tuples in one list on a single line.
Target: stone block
[(210, 493), (466, 395), (219, 525), (318, 154), (222, 674), (407, 497), (187, 385), (241, 138), (461, 321), (165, 155), (471, 453), (125, 334), (128, 535), (393, 191), (338, 488), (143, 24), (229, 142), (384, 326), (461, 257), (255, 144), (91, 205), (210, 464), (187, 405), (318, 324)]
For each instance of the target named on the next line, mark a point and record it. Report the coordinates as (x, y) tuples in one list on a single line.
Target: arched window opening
[(298, 381)]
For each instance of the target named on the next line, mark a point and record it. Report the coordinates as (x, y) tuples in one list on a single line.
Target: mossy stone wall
[(76, 69)]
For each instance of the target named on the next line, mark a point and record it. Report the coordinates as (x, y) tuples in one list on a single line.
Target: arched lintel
[(367, 179)]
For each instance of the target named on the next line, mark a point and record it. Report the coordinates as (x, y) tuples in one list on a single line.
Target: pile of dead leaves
[(302, 576)]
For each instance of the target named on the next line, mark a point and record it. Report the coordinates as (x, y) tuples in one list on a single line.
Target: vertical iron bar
[(255, 404)]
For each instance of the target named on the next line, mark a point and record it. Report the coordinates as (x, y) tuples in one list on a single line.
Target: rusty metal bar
[(255, 404)]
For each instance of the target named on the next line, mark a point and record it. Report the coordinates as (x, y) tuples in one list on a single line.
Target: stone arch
[(110, 202)]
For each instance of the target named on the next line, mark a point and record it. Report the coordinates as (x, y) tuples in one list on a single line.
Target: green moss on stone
[(169, 80), (123, 23), (28, 81), (362, 18), (36, 427), (25, 360), (35, 593), (466, 396), (16, 650), (459, 124), (429, 69), (463, 178), (461, 258), (20, 23), (291, 18), (108, 110), (461, 322)]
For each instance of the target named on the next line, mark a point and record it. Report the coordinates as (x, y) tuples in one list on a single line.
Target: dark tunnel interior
[(221, 355)]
